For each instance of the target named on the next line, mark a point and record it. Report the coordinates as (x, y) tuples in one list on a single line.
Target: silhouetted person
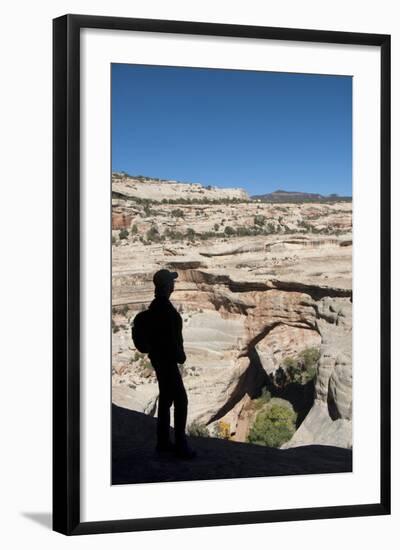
[(166, 352)]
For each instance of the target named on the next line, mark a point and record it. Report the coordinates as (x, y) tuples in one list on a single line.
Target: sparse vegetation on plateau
[(190, 233), (153, 234), (177, 213), (229, 230), (123, 234), (259, 219)]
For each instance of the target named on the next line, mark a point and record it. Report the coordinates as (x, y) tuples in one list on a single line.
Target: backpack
[(141, 331)]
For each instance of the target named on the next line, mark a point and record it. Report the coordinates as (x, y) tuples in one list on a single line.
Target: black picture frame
[(66, 274)]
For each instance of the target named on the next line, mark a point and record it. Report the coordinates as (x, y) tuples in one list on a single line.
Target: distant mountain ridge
[(298, 196)]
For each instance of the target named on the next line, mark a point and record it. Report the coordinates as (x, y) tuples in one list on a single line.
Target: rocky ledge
[(134, 459)]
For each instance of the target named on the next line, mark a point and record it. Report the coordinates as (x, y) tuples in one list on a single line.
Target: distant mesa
[(125, 186), (281, 195)]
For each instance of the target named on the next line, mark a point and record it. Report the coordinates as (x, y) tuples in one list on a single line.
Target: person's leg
[(163, 415), (182, 449), (172, 390), (180, 409)]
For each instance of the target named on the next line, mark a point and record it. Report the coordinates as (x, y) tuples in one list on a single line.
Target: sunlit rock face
[(121, 220), (285, 341), (329, 420)]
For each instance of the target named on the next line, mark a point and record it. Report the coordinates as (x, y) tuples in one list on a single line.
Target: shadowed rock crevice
[(250, 383), (315, 291), (332, 407)]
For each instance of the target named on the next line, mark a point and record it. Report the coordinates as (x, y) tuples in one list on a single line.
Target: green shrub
[(146, 364), (198, 429), (290, 362), (310, 357), (190, 233), (264, 398), (134, 229), (114, 326), (302, 368), (177, 213), (229, 230), (243, 231), (206, 235), (280, 377), (153, 235), (259, 219), (311, 372), (123, 234), (273, 426), (295, 374)]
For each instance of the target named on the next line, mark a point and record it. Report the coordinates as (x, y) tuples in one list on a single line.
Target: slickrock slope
[(258, 284)]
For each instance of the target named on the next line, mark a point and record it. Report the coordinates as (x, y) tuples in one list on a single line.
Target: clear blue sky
[(258, 130)]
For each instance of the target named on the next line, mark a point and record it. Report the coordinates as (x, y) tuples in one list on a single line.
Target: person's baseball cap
[(164, 276)]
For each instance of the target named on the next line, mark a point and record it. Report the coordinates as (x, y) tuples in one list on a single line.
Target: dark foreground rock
[(135, 461)]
